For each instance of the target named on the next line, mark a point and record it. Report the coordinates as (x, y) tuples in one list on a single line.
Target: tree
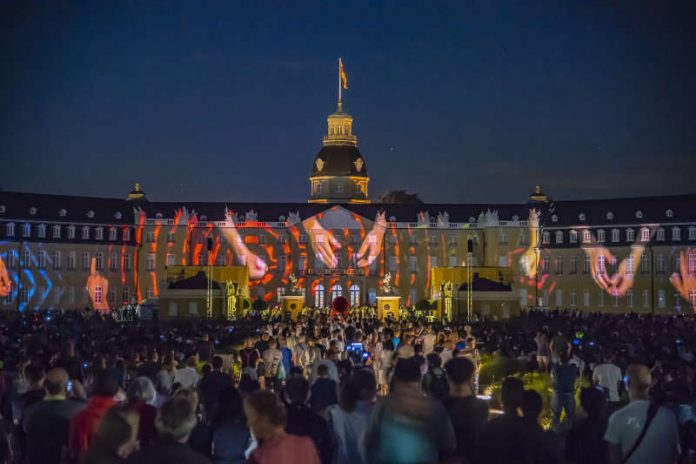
[(400, 197)]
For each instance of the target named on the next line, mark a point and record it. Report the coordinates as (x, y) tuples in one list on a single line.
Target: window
[(171, 259), (585, 264), (11, 259), (127, 262), (336, 291), (545, 264), (602, 263), (545, 237), (586, 298), (523, 237), (113, 232), (572, 298), (150, 236), (354, 292), (644, 234), (301, 263), (630, 265), (282, 261), (111, 296), (41, 231), (126, 235), (586, 236), (148, 293), (676, 233), (282, 239), (630, 235), (615, 235), (691, 264), (660, 235), (412, 263), (661, 303), (71, 261), (573, 237), (113, 262), (502, 239), (433, 261), (125, 294), (303, 238), (601, 235), (42, 259), (629, 298), (453, 261), (55, 231), (660, 264), (98, 294), (675, 263), (646, 298), (573, 269), (692, 233), (99, 260), (71, 295), (56, 260), (615, 298), (559, 297), (559, 236), (71, 232), (391, 264), (644, 264), (319, 296), (151, 261), (692, 298), (262, 238), (10, 229), (85, 233), (171, 236), (452, 239), (99, 233), (26, 258), (26, 230), (559, 264), (600, 299)]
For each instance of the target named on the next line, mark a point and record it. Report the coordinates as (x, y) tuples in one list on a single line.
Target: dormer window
[(118, 215), (676, 233), (610, 215), (586, 236), (559, 236), (159, 216), (63, 212), (112, 233), (26, 230), (85, 233), (71, 232), (204, 217), (644, 234), (99, 233), (56, 231), (601, 235), (10, 229), (669, 213), (32, 211), (90, 214), (515, 218), (630, 235), (41, 231), (639, 214), (546, 237), (554, 218), (573, 236), (615, 235), (582, 217), (660, 236), (2, 209), (692, 233), (126, 234)]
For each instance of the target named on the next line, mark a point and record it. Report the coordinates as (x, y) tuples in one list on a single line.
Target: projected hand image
[(684, 281), (257, 266), (323, 242), (600, 256), (372, 244), (530, 257), (97, 288), (5, 283)]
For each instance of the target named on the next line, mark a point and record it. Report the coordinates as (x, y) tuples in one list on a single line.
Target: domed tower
[(339, 173)]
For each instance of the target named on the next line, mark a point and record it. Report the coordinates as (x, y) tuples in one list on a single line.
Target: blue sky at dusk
[(457, 101)]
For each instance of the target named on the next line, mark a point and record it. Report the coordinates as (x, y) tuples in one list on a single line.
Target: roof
[(339, 160), (197, 282), (484, 285)]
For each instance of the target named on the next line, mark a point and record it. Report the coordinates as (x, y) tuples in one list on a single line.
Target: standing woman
[(543, 353), (349, 419), (386, 359), (116, 437)]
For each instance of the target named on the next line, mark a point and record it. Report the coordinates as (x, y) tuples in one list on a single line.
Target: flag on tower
[(342, 72)]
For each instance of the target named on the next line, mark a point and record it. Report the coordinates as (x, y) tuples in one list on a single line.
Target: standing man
[(272, 360), (563, 377), (608, 376), (642, 432)]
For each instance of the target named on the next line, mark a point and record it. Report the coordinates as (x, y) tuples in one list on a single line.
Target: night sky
[(456, 101)]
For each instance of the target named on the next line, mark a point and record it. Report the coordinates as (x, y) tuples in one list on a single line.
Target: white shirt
[(608, 376), (428, 343), (661, 442), (186, 376)]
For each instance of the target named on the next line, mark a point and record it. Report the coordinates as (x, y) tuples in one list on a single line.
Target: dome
[(339, 160)]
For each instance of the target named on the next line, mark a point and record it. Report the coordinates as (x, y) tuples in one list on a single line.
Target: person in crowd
[(210, 385), (467, 413), (408, 426), (563, 376), (205, 350), (46, 423), (608, 376), (84, 423), (165, 377), (287, 355), (547, 447), (267, 417), (643, 431), (69, 361), (585, 440), (175, 421), (35, 392), (304, 421), (543, 354), (272, 361), (151, 367), (250, 357), (384, 366), (116, 437), (506, 439), (349, 419), (323, 390), (435, 381), (187, 376), (140, 396), (201, 437), (230, 436), (429, 338)]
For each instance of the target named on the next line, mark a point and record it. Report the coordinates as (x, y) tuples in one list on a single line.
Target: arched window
[(319, 296), (336, 291), (354, 295)]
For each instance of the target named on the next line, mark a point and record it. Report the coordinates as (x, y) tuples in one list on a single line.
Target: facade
[(613, 255)]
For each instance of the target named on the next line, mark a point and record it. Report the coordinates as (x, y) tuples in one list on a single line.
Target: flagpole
[(340, 100)]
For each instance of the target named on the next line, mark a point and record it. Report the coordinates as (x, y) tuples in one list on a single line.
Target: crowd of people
[(326, 389)]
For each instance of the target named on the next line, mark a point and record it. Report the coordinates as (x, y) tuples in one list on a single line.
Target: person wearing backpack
[(643, 431), (435, 381)]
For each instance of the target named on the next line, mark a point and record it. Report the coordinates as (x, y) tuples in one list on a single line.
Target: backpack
[(438, 386)]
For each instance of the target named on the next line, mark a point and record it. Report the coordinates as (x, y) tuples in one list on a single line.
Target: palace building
[(612, 255)]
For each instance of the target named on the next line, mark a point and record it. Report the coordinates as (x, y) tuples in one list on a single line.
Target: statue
[(386, 283), (293, 287), (232, 292)]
